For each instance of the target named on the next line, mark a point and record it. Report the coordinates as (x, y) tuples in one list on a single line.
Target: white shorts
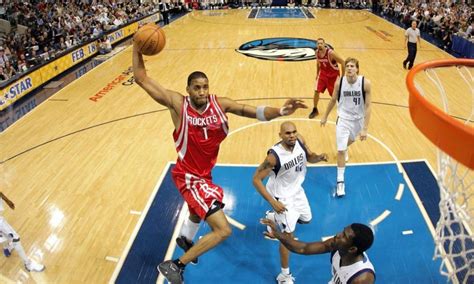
[(347, 130), (297, 208), (6, 231)]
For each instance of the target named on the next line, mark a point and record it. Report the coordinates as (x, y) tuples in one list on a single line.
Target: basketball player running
[(201, 124), (350, 263), (11, 239), (353, 109), (286, 165), (327, 71)]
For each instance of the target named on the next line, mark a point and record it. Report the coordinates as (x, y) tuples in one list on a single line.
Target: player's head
[(321, 44), (363, 237), (354, 239), (288, 133), (352, 66), (198, 88)]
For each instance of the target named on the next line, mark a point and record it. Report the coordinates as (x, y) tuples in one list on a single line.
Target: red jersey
[(198, 138), (327, 67)]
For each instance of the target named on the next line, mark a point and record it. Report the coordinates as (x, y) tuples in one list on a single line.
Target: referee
[(412, 35)]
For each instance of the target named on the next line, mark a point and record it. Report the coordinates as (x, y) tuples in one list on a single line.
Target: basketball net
[(454, 238)]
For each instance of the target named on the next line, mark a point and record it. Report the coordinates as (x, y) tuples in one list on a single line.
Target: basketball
[(150, 39)]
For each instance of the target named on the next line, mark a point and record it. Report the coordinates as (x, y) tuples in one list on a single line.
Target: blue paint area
[(154, 236), (426, 187), (247, 257), (280, 13)]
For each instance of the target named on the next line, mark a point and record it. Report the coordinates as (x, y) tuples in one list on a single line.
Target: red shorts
[(325, 82), (202, 196)]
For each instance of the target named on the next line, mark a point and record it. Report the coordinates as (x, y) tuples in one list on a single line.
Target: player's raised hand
[(291, 105), (271, 224)]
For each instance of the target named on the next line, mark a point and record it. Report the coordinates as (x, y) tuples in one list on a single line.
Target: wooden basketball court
[(84, 163)]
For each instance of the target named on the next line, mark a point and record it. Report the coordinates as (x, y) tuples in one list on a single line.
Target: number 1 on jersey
[(205, 132)]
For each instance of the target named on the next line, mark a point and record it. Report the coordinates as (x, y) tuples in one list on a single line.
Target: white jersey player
[(352, 93), (11, 240), (285, 165), (350, 263)]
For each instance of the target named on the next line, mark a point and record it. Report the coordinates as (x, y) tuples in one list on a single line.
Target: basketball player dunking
[(201, 124)]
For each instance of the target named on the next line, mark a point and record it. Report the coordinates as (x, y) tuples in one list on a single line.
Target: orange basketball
[(150, 39)]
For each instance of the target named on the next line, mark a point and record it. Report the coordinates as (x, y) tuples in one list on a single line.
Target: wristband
[(261, 113)]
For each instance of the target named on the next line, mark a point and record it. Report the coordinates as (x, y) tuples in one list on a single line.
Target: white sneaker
[(340, 189), (346, 156), (35, 267), (285, 278)]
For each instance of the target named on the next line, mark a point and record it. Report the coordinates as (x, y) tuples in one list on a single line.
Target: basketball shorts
[(326, 82), (347, 130), (297, 208), (6, 231), (202, 196)]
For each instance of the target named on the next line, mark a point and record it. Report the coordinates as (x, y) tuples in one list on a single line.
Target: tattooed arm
[(312, 157), (260, 174)]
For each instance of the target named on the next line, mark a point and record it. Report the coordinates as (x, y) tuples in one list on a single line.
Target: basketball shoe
[(183, 243), (285, 278)]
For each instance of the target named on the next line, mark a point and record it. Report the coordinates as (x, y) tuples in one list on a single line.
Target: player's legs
[(342, 139), (221, 230), (321, 85), (285, 276), (331, 83), (13, 243), (287, 223), (188, 232)]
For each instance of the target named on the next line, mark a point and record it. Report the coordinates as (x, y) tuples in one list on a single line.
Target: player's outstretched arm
[(297, 246), (165, 97), (312, 157), (262, 113), (260, 174), (7, 201)]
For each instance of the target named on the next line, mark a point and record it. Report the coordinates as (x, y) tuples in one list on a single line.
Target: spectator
[(3, 75), (104, 45)]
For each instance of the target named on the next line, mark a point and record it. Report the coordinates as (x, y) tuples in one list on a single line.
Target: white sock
[(340, 173), (21, 252), (285, 271), (189, 229)]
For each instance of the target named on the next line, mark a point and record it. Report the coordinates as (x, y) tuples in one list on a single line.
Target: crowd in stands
[(53, 27), (56, 26), (438, 19)]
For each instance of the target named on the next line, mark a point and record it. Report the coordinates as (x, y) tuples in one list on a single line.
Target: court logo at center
[(280, 49)]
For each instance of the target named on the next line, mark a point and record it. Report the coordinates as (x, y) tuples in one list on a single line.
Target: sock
[(179, 263), (21, 252), (340, 173), (189, 229), (285, 271)]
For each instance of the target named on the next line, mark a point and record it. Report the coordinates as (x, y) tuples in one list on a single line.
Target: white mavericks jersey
[(345, 274), (351, 99), (288, 175)]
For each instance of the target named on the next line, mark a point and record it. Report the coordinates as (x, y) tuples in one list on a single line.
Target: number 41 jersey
[(199, 136)]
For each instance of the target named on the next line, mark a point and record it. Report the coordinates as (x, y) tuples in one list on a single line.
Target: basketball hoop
[(454, 137)]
